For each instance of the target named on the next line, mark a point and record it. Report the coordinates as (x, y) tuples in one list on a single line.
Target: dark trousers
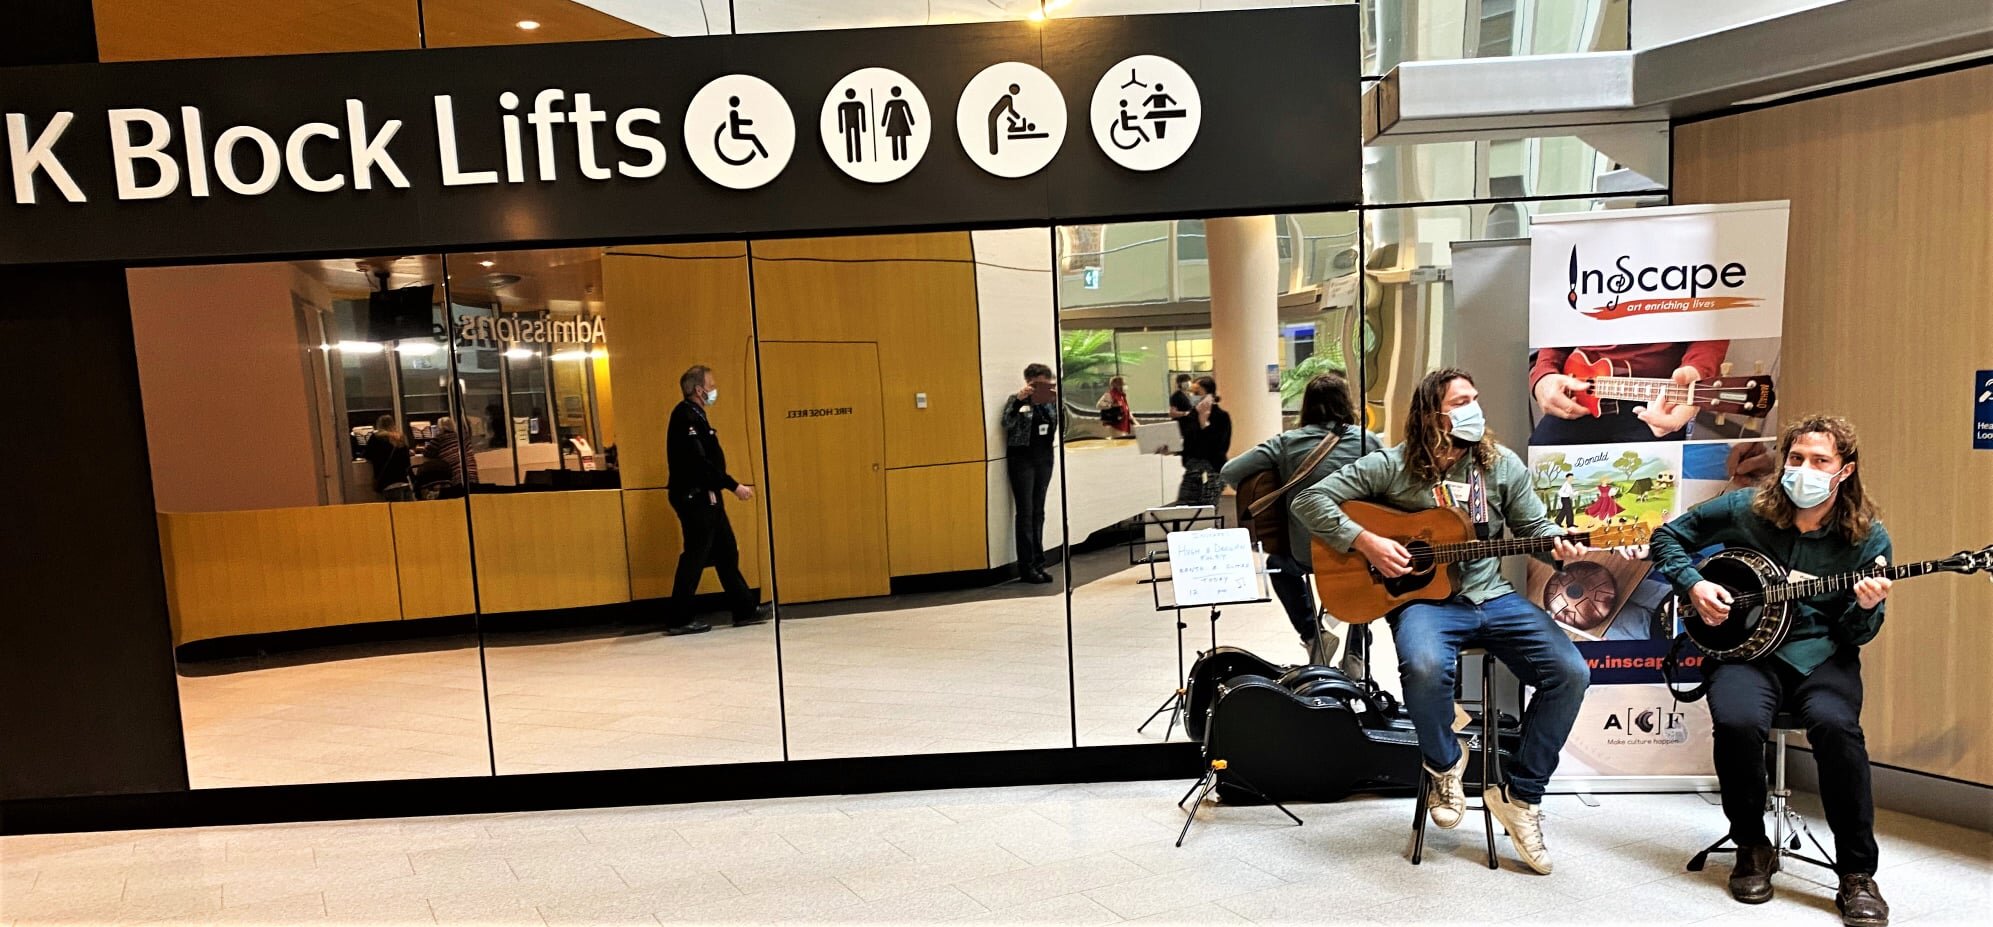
[(1030, 480), (1609, 428), (1201, 484), (709, 541), (1290, 585), (1743, 697), (1567, 511)]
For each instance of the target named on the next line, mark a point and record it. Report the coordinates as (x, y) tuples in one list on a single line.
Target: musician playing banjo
[(1448, 458), (1816, 520)]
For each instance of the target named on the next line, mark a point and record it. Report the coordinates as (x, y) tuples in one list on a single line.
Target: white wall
[(1665, 21), (1018, 317)]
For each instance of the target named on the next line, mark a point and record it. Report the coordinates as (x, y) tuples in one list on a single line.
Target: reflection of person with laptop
[(1566, 421)]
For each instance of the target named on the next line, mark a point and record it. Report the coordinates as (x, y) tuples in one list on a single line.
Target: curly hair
[(1429, 430), (1853, 513)]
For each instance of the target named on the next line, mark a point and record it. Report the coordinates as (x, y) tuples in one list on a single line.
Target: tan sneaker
[(1524, 822), (1446, 801)]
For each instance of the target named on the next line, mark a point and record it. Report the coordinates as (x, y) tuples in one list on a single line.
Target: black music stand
[(1174, 704), (1170, 518)]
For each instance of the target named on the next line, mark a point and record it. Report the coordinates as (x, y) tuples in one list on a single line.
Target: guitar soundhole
[(1422, 570)]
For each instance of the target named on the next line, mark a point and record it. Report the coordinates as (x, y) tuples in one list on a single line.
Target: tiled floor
[(1083, 854), (980, 669)]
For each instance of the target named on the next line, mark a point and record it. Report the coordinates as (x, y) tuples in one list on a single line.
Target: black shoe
[(760, 614), (1860, 902), (695, 626), (1751, 878), (1036, 576)]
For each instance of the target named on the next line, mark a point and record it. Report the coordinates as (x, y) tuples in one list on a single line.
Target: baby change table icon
[(1011, 119), (739, 131), (1146, 112)]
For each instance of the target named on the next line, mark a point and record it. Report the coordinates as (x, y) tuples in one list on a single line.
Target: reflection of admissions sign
[(1213, 567)]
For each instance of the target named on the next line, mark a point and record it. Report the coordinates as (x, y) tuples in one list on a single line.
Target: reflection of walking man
[(898, 121), (851, 121), (698, 477), (1567, 503)]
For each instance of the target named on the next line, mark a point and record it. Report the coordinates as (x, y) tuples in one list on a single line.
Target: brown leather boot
[(1860, 902), (1751, 879)]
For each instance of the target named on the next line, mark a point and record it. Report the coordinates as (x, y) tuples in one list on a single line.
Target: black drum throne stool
[(1489, 742), (1787, 824)]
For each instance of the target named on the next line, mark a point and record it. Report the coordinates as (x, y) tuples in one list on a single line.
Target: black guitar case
[(1314, 734), (1212, 668)]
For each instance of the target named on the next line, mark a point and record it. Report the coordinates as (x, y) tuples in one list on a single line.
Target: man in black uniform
[(698, 477)]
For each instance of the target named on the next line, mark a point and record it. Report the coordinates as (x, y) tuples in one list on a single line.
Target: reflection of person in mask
[(1449, 458)]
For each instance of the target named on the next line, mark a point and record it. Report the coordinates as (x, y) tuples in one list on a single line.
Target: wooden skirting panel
[(1886, 320), (252, 572), (549, 550), (934, 519), (432, 552)]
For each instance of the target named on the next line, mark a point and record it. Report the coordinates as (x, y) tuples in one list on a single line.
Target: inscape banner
[(1654, 349)]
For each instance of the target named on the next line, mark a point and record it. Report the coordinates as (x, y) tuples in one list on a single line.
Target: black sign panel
[(353, 152)]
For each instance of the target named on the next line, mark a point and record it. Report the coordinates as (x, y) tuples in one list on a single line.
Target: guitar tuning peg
[(1726, 368), (1720, 417), (1758, 367)]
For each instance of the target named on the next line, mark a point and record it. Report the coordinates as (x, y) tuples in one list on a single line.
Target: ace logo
[(1654, 722)]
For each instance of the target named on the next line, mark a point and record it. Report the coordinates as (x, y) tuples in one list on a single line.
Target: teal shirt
[(1381, 477), (1822, 624), (1284, 454)]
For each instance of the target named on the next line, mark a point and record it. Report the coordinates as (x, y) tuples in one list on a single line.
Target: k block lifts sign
[(676, 139)]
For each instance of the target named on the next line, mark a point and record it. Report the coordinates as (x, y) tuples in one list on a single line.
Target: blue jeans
[(1430, 636)]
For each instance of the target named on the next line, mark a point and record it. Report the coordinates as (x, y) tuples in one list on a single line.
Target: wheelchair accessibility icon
[(739, 131)]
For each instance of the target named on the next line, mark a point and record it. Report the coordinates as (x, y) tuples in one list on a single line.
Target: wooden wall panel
[(912, 295), (1890, 261), (933, 519), (145, 30), (547, 550), (448, 23), (432, 552), (255, 571)]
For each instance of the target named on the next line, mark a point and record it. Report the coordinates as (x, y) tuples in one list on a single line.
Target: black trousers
[(1743, 697), (1030, 480), (709, 541), (1290, 585)]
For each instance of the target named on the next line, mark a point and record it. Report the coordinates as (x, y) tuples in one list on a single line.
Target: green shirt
[(1821, 624), (1381, 477), (1284, 454)]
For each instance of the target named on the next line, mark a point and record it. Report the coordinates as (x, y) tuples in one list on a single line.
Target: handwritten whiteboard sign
[(1213, 566)]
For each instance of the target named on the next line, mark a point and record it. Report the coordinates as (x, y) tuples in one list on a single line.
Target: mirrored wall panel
[(318, 563)]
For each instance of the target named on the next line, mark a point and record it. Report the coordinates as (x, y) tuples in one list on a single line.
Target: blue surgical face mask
[(712, 396), (1807, 487), (1468, 422)]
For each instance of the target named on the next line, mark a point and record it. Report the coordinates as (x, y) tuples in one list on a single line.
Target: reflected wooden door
[(826, 469)]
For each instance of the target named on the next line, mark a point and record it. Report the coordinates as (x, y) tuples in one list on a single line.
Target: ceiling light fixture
[(529, 24)]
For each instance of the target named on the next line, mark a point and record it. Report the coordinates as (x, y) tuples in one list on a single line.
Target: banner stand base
[(1597, 785)]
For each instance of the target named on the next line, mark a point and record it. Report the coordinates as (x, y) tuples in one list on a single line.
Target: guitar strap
[(1308, 465), (1671, 668), (1477, 501)]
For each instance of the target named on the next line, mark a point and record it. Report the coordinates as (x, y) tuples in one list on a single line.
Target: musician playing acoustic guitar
[(1448, 458), (1814, 518)]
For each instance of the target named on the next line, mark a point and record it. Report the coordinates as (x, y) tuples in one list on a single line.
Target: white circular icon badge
[(739, 131), (1146, 112), (1011, 119), (875, 125)]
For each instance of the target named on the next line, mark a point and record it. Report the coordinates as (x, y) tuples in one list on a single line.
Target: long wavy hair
[(1326, 402), (1428, 429), (1853, 512)]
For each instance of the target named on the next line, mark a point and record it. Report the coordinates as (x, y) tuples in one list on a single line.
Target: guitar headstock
[(1629, 535), (1969, 561), (1752, 395)]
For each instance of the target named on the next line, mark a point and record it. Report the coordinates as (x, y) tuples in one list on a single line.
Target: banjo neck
[(1807, 588)]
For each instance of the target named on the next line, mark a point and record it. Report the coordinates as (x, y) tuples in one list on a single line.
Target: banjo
[(1761, 613)]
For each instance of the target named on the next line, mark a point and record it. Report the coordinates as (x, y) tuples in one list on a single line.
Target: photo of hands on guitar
[(1576, 384)]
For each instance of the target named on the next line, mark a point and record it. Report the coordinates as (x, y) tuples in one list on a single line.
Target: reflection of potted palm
[(1327, 358), (1087, 357)]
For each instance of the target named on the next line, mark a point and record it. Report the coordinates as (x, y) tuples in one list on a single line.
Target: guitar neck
[(1642, 389), (1807, 588), (1477, 550)]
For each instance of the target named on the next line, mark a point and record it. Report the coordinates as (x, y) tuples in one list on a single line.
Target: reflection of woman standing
[(1604, 508), (898, 121), (1113, 406)]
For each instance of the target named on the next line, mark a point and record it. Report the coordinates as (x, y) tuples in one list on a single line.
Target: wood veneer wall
[(1888, 316)]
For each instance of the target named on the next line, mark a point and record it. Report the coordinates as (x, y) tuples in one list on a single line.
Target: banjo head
[(1748, 632)]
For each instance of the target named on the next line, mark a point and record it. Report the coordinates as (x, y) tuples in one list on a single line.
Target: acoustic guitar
[(1724, 395), (1439, 539), (1762, 592)]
